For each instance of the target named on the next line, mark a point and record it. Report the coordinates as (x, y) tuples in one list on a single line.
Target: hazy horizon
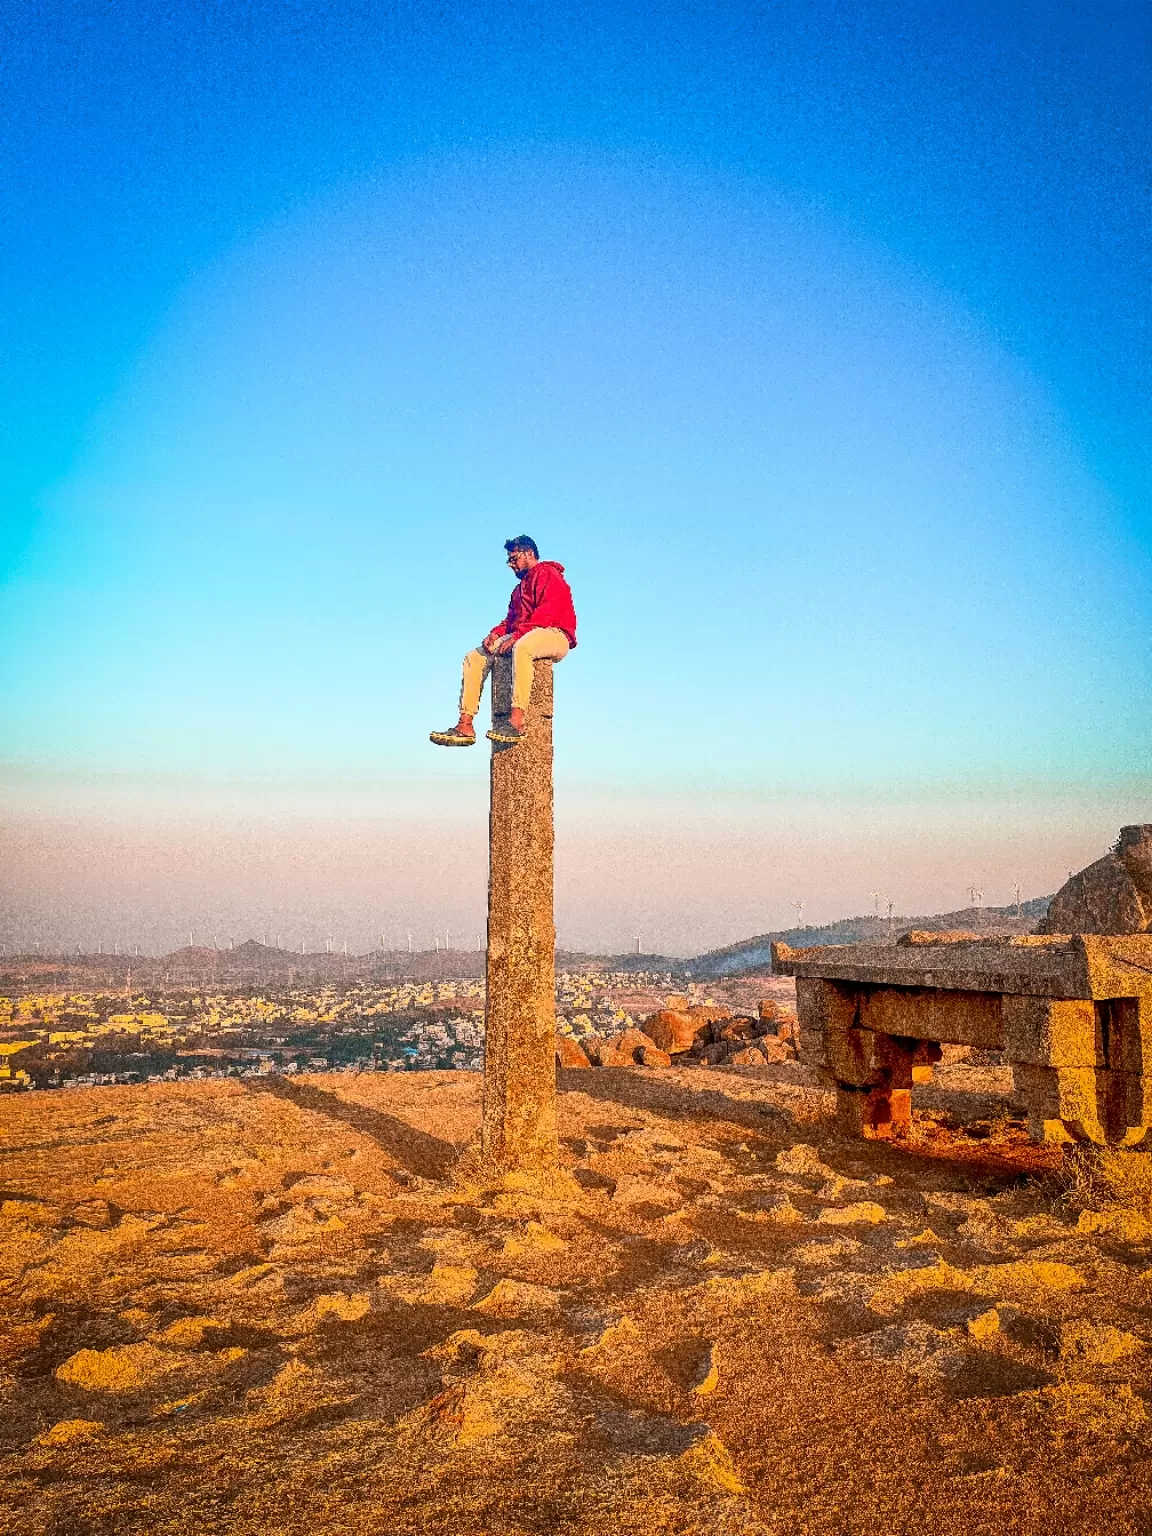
[(96, 865)]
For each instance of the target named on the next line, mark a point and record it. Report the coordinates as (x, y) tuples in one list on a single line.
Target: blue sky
[(812, 339)]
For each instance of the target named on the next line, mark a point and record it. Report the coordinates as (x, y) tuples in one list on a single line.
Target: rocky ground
[(270, 1307)]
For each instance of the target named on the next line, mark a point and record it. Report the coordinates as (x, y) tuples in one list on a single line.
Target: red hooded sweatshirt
[(542, 600)]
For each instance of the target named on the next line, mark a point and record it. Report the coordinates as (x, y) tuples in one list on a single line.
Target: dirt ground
[(269, 1307)]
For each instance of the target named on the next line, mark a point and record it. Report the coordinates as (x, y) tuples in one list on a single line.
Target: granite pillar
[(519, 1124)]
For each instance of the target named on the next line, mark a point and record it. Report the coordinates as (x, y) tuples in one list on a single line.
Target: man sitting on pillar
[(541, 626)]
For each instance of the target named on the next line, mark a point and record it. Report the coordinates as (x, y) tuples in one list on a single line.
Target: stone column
[(519, 1128)]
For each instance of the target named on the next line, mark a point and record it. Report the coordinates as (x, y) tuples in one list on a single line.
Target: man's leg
[(536, 645), (477, 665)]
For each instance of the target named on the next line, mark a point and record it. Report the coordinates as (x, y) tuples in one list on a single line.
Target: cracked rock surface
[(275, 1307)]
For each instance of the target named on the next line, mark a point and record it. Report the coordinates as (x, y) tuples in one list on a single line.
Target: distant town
[(64, 1039), (254, 1009)]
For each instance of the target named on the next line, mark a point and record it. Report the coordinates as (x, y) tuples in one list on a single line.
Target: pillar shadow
[(427, 1156), (619, 1085), (951, 1164)]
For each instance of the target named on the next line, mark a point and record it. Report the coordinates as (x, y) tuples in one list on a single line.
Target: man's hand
[(494, 643)]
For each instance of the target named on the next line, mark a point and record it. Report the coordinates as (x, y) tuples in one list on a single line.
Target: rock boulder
[(569, 1053), (1113, 895), (675, 1031), (653, 1056), (623, 1050)]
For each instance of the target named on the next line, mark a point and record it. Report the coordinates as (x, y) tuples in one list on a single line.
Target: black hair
[(522, 541)]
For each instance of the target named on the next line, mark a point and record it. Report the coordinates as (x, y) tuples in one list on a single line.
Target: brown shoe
[(461, 735)]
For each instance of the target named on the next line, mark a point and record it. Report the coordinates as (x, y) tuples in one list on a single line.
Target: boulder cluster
[(702, 1035)]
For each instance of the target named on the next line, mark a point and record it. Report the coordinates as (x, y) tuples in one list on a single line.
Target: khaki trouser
[(536, 645)]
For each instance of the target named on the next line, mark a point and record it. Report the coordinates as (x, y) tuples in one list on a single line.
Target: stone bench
[(1071, 1013)]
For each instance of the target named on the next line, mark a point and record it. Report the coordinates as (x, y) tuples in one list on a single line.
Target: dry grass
[(1106, 1179)]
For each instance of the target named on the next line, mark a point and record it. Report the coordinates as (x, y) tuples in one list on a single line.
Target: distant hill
[(756, 953), (580, 960), (248, 966), (253, 965)]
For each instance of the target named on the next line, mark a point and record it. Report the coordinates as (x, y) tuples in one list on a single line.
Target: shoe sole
[(442, 740), (504, 741)]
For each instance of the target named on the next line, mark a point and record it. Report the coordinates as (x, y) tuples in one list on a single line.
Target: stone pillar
[(519, 1127)]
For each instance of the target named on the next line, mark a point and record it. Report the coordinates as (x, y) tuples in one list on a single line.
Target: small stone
[(917, 1347), (837, 1187), (512, 1298), (733, 1029), (777, 1208), (709, 1013), (896, 1289), (711, 1462), (343, 1308), (69, 1430), (124, 1368), (985, 1325), (864, 1211), (1023, 1276), (738, 1291), (925, 1239), (97, 1215), (634, 1189), (323, 1186), (188, 1332), (621, 1335)]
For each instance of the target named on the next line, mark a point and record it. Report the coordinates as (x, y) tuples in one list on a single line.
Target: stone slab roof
[(1049, 965)]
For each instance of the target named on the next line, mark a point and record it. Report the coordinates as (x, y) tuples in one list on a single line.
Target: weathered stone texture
[(961, 1018), (519, 1124), (1113, 895), (1061, 1034)]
